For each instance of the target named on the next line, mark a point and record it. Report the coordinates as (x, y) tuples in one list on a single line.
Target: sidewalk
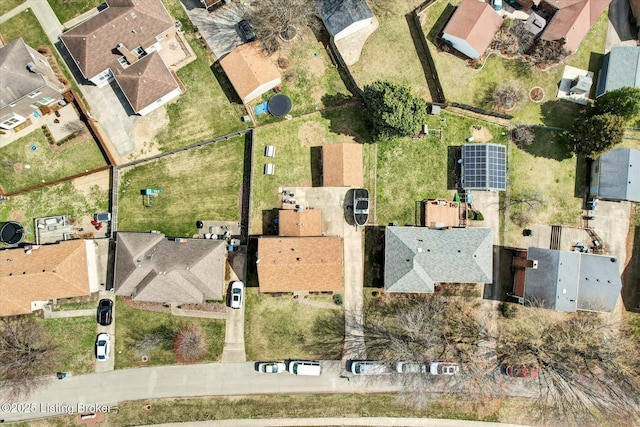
[(363, 421), (13, 12)]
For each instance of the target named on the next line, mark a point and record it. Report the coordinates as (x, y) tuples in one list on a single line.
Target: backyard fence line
[(343, 69), (57, 181), (245, 220), (114, 201), (438, 96), (95, 132), (481, 111)]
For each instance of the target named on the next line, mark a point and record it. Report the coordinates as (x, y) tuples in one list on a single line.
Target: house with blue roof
[(620, 68)]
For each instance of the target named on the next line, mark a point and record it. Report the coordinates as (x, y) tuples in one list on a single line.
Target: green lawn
[(278, 328), (60, 199), (310, 79), (74, 338), (133, 325), (69, 9), (7, 5), (296, 141), (410, 170), (199, 184), (390, 53), (479, 83), (45, 164), (209, 107)]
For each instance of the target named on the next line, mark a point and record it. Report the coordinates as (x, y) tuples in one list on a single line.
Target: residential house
[(441, 213), (26, 82), (289, 264), (472, 27), (484, 167), (342, 165), (154, 268), (121, 43), (615, 175), (298, 223), (32, 275), (250, 71), (566, 281), (343, 18), (569, 21), (620, 68), (418, 258)]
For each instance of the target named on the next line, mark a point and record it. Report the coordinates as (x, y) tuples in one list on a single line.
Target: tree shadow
[(548, 143), (327, 335), (454, 175), (269, 223), (336, 99), (484, 97), (315, 154), (349, 121), (583, 176), (502, 275), (560, 113), (374, 257), (631, 276)]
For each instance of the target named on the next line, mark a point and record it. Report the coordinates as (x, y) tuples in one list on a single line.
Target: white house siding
[(353, 28), (102, 79), (462, 46), (260, 90), (160, 102)]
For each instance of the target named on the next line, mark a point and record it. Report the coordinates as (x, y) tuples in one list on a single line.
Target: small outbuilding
[(345, 17), (250, 71), (620, 68), (472, 27), (615, 175), (342, 165)]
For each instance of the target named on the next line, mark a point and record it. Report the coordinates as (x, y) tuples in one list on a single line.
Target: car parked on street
[(520, 372), (369, 367), (444, 368), (237, 294), (271, 367), (411, 368), (105, 312), (102, 347), (305, 367), (246, 31)]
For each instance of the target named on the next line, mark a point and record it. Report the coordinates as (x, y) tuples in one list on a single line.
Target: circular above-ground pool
[(279, 105), (11, 233)]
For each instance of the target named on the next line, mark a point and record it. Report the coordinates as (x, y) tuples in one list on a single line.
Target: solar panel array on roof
[(484, 167)]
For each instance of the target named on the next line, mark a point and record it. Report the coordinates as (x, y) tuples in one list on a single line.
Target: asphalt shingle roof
[(417, 258), (619, 176), (620, 68), (339, 14)]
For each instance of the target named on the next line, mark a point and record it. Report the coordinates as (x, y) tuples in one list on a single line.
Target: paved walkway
[(198, 313), (65, 314), (108, 365), (364, 421), (13, 12), (48, 19)]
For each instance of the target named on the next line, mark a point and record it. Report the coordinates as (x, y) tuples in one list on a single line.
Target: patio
[(59, 126)]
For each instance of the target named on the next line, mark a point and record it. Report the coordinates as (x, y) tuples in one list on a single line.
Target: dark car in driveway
[(360, 206), (105, 312), (246, 31)]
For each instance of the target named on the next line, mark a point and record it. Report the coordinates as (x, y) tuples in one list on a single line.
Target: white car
[(411, 368), (237, 293), (102, 347), (271, 367), (444, 368), (368, 367)]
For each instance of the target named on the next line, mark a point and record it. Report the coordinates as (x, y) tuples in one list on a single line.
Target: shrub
[(337, 298), (508, 310), (190, 344), (284, 63), (523, 136)]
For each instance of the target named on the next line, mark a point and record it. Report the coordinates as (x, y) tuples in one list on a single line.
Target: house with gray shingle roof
[(570, 281), (417, 258), (122, 42), (620, 68), (151, 267), (345, 17), (27, 82), (615, 175)]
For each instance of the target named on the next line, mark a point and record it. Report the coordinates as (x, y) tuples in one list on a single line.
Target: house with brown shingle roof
[(250, 71), (295, 223), (342, 165), (288, 264), (472, 27), (151, 267), (28, 81), (122, 42), (29, 277), (571, 20)]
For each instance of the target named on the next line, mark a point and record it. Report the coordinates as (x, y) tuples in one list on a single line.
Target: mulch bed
[(148, 306), (213, 307)]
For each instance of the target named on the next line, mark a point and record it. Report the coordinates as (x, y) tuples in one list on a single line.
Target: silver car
[(271, 367), (369, 367), (444, 368), (411, 368)]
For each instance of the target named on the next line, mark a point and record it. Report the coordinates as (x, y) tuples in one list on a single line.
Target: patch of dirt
[(147, 127), (481, 134), (85, 183), (18, 216), (316, 64), (311, 134), (17, 167)]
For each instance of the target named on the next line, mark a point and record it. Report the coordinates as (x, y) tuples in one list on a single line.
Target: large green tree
[(623, 102), (393, 110), (591, 136)]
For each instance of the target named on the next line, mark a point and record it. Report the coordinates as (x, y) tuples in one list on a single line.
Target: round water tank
[(11, 233)]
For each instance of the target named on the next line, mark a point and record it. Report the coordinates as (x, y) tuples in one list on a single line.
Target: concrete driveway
[(233, 350), (218, 28), (111, 330), (611, 223)]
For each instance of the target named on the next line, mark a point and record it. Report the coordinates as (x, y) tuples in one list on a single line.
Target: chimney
[(31, 67)]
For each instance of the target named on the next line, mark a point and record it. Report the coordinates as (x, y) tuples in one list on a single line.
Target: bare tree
[(190, 344), (507, 95), (544, 53), (523, 135), (74, 127), (275, 20), (26, 354), (588, 368)]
